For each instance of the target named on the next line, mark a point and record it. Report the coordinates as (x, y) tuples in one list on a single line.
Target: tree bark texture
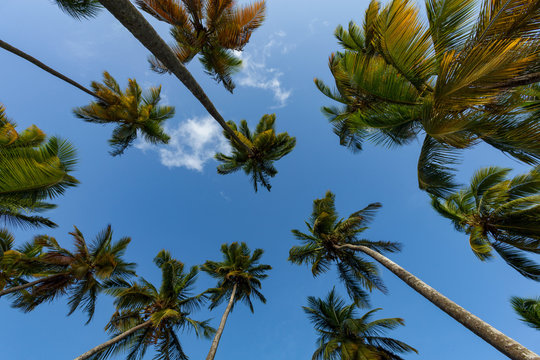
[(494, 337), (215, 342)]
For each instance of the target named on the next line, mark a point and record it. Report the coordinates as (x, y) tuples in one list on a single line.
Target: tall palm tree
[(146, 315), (266, 147), (499, 213), (238, 276), (528, 309), (81, 273), (321, 248), (454, 81), (343, 335), (132, 110), (213, 29), (33, 170)]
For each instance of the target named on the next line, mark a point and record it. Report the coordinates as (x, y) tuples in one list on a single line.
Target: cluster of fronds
[(132, 111), (344, 335), (213, 29), (33, 170), (161, 312), (266, 147), (79, 9), (323, 246), (499, 214), (79, 274), (239, 269), (458, 79), (529, 310)]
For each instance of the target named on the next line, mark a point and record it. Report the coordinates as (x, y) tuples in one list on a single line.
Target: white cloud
[(192, 144), (256, 74)]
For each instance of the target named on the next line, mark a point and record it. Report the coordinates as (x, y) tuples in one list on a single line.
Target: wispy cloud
[(256, 73), (192, 144)]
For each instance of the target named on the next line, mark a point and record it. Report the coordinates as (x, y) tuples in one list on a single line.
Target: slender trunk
[(134, 21), (41, 65), (113, 341), (27, 285), (497, 339), (215, 342)]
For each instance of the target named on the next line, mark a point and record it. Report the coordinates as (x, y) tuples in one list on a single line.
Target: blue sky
[(171, 197)]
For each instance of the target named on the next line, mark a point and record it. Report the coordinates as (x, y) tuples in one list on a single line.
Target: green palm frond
[(266, 146), (499, 213), (454, 78), (528, 310), (344, 335), (79, 9), (133, 111), (322, 246)]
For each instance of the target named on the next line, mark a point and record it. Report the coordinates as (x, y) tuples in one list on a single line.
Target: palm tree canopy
[(499, 213), (33, 170), (343, 335), (17, 263), (79, 9), (528, 309), (266, 147), (241, 268), (168, 307), (214, 29), (322, 246), (132, 110), (453, 80), (81, 274)]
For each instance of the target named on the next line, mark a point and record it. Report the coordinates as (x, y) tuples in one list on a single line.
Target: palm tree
[(322, 247), (132, 110), (343, 335), (528, 309), (81, 274), (33, 170), (134, 21), (455, 82), (146, 315), (238, 276), (213, 29), (17, 264), (499, 214), (266, 147)]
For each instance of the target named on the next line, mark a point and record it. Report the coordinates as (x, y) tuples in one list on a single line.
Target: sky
[(170, 197)]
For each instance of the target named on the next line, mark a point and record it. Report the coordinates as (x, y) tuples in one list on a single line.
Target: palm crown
[(499, 214), (266, 147), (33, 170), (323, 245), (131, 110), (239, 268), (454, 79), (343, 335), (166, 310), (212, 28), (528, 310), (81, 273)]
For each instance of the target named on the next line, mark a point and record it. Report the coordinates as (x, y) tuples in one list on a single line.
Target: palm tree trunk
[(27, 285), (113, 341), (497, 339), (134, 21), (215, 342), (51, 71)]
